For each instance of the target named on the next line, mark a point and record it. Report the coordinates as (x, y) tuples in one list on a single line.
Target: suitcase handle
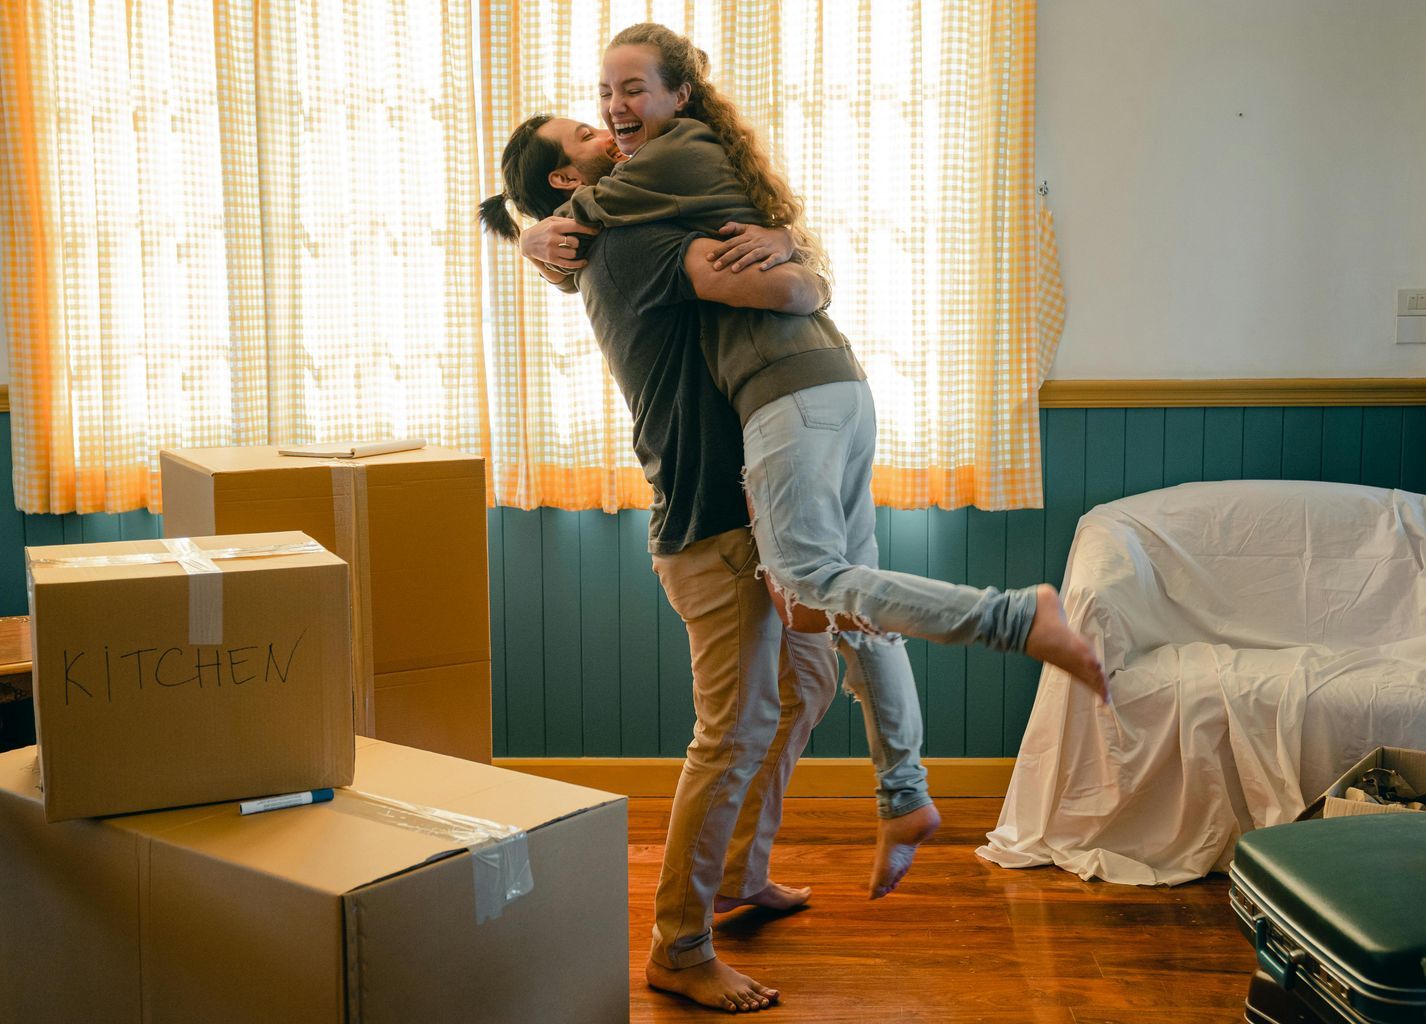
[(1282, 970)]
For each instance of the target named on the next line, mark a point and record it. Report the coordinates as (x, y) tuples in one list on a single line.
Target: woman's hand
[(555, 241), (746, 244)]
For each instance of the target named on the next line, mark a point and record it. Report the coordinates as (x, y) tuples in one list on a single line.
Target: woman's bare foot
[(1052, 641), (713, 984), (896, 842), (772, 896)]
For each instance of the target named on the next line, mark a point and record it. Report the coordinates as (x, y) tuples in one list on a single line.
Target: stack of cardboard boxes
[(175, 677), (412, 527)]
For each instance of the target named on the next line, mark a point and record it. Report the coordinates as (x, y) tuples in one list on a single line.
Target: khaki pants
[(757, 694)]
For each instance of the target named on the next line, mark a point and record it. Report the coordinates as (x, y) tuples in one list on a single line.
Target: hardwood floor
[(961, 941)]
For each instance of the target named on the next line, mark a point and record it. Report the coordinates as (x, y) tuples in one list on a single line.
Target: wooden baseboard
[(814, 776)]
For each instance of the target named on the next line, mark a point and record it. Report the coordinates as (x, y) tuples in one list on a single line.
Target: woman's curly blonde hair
[(680, 62)]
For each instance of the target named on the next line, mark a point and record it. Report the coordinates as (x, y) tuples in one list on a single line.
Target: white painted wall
[(1239, 186)]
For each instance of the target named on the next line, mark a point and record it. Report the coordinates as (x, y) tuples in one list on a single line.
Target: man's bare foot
[(713, 984), (772, 896), (1052, 641), (896, 842)]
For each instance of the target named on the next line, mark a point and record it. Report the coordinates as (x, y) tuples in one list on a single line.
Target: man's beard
[(591, 169)]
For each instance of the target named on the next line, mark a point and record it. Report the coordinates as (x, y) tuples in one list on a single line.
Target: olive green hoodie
[(755, 355)]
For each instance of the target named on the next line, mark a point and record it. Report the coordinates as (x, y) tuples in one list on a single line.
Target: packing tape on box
[(205, 591), (353, 542), (205, 579), (499, 854)]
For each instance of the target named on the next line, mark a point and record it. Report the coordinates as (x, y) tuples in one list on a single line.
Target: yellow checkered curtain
[(246, 223), (235, 222), (909, 129)]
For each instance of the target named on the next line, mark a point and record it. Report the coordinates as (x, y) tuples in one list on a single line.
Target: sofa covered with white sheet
[(1259, 636)]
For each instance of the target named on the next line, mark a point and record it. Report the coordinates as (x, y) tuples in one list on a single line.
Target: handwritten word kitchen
[(109, 673)]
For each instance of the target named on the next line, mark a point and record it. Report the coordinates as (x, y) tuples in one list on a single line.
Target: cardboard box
[(412, 525), (1334, 803), (158, 684), (363, 910)]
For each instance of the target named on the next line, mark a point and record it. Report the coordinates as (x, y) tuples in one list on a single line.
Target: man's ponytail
[(495, 217)]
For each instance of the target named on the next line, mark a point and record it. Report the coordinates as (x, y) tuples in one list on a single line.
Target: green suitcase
[(1337, 911)]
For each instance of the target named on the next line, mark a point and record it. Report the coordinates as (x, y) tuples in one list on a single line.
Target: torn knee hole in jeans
[(865, 631)]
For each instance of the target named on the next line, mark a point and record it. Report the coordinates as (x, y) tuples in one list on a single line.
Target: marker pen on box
[(273, 803)]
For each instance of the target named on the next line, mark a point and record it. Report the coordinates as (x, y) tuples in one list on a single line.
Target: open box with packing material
[(1343, 799), (412, 526), (182, 672), (404, 899)]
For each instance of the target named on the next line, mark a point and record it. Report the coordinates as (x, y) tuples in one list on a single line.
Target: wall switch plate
[(1411, 316), (1411, 302)]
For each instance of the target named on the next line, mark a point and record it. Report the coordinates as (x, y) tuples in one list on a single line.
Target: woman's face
[(633, 100)]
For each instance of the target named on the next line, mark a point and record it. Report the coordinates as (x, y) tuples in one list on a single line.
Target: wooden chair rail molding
[(1155, 394), (814, 776), (1135, 394)]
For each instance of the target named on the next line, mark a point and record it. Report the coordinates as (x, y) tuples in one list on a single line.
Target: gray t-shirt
[(686, 436)]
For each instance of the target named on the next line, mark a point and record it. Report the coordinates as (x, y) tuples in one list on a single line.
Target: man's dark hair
[(525, 164)]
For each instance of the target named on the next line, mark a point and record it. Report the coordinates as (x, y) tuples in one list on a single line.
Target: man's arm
[(552, 246), (789, 288)]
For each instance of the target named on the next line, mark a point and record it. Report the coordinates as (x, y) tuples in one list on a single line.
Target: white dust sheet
[(1261, 636)]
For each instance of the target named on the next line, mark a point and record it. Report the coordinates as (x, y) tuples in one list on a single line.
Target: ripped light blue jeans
[(809, 457)]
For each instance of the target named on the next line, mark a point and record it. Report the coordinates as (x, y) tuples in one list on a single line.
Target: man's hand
[(554, 242), (746, 244)]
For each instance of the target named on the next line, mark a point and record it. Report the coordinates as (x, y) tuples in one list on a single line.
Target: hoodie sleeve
[(682, 175)]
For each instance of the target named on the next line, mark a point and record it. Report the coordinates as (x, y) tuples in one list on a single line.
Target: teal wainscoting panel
[(1143, 450), (1222, 444), (1301, 443), (588, 657), (985, 669), (1413, 449), (563, 663), (599, 632), (1262, 444), (1104, 431), (1183, 446), (1381, 447), (1342, 445), (44, 529), (499, 714), (1065, 460), (139, 525), (638, 595), (946, 551), (524, 634), (12, 534)]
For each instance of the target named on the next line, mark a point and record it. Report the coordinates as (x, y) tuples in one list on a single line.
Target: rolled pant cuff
[(678, 961), (903, 807), (746, 890)]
